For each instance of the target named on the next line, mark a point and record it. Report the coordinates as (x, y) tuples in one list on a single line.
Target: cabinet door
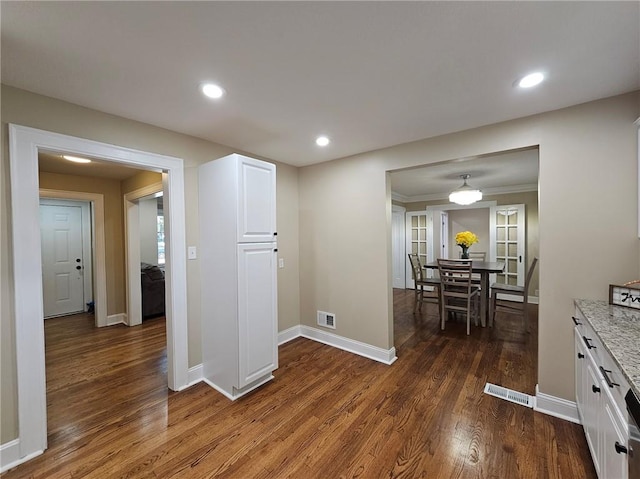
[(581, 373), (256, 201), (257, 312), (614, 461), (593, 412)]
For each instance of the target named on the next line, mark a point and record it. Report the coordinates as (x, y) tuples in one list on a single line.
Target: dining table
[(484, 269)]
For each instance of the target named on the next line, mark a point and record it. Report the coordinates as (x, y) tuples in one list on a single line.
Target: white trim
[(10, 455), (98, 248), (119, 318), (289, 334), (132, 250), (386, 356), (244, 391), (453, 206), (501, 190), (556, 407), (24, 144), (195, 375)]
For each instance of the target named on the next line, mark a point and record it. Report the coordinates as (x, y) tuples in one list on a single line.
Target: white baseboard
[(241, 393), (386, 356), (120, 318), (556, 407), (289, 334), (194, 375), (10, 455)]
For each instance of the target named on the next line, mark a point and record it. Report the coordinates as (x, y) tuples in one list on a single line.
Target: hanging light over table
[(465, 195)]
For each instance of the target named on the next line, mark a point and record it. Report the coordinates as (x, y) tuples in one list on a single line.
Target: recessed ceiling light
[(212, 90), (76, 159), (322, 141), (530, 80)]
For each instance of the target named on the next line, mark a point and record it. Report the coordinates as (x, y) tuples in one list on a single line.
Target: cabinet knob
[(620, 449), (595, 388), (576, 321), (580, 356)]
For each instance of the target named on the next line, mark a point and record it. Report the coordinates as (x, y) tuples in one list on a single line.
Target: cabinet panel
[(257, 296), (593, 408), (256, 201), (614, 461)]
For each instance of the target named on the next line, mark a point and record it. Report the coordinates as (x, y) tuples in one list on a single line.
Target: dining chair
[(457, 292), (476, 278), (421, 282), (512, 304)]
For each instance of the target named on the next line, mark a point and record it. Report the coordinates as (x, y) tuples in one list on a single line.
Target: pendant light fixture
[(465, 195)]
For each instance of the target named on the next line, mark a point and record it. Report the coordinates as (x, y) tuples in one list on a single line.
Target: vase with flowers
[(465, 239)]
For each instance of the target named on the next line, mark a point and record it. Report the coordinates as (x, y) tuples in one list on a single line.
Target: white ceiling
[(52, 162), (506, 172), (367, 74)]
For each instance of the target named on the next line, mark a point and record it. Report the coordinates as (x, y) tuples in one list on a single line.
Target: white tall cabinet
[(238, 269)]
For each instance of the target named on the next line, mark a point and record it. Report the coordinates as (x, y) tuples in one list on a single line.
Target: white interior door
[(444, 234), (62, 259), (416, 240), (399, 259), (507, 242)]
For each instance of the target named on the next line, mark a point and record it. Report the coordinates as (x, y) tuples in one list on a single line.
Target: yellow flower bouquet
[(465, 239)]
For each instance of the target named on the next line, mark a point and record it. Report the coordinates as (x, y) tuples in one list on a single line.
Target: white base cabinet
[(600, 387), (238, 270)]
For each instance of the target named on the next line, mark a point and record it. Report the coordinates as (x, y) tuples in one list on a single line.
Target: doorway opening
[(24, 145)]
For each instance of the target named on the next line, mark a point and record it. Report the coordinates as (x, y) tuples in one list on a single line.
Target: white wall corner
[(10, 455), (119, 318), (289, 334), (556, 407)]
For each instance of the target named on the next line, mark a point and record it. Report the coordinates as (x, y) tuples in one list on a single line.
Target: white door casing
[(24, 143), (63, 260), (132, 250), (399, 258), (444, 234)]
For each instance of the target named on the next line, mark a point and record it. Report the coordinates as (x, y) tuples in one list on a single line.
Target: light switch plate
[(191, 252), (280, 262)]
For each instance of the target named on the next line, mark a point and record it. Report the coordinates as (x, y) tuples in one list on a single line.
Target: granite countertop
[(619, 330)]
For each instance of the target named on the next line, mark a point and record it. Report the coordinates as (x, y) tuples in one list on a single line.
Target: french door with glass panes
[(416, 237), (507, 231)]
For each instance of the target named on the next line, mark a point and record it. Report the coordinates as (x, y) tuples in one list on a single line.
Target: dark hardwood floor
[(327, 414)]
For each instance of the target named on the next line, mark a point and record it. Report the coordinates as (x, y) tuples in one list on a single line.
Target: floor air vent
[(509, 395)]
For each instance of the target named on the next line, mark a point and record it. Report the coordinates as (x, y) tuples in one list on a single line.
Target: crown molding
[(502, 190)]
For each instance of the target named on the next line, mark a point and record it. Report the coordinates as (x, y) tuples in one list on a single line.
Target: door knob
[(78, 260), (78, 267)]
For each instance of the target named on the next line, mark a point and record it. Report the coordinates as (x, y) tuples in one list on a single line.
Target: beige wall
[(588, 213), (113, 228), (36, 111)]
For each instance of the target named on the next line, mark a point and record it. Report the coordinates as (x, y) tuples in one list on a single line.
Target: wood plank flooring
[(327, 414)]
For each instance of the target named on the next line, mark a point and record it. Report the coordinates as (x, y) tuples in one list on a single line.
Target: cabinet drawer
[(613, 379)]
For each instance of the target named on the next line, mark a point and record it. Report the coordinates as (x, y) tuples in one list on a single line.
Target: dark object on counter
[(153, 299)]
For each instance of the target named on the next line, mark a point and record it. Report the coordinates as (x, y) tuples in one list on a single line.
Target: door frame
[(448, 207), (132, 250), (398, 242), (87, 246), (24, 143)]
